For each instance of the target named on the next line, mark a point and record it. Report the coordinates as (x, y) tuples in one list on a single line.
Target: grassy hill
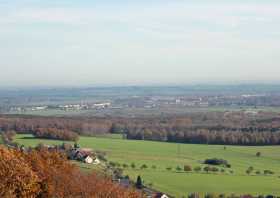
[(163, 155)]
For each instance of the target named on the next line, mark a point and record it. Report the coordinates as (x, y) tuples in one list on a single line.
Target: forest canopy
[(233, 128)]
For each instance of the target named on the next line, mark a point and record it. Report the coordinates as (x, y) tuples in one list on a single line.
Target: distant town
[(68, 107), (157, 102)]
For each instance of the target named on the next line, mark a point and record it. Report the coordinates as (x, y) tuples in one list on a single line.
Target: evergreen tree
[(139, 183)]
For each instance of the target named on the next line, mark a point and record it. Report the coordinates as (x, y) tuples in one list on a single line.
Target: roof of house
[(160, 195)]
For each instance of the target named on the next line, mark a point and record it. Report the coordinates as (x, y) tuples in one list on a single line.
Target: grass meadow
[(160, 156)]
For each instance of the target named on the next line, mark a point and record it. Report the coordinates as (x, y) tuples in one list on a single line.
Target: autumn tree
[(41, 174), (17, 178)]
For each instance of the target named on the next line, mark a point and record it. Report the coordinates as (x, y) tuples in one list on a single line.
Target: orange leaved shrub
[(40, 173)]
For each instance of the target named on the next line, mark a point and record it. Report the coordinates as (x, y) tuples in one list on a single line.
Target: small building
[(84, 155), (161, 195), (124, 182), (88, 160)]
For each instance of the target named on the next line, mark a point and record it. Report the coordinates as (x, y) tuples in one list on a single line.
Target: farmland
[(178, 183)]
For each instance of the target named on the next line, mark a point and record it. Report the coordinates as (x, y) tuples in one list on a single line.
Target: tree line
[(233, 128), (57, 134)]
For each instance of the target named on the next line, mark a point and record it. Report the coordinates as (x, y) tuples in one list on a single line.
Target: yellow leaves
[(17, 177), (48, 174)]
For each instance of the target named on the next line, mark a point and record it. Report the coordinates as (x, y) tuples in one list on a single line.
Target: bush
[(222, 196), (268, 172), (228, 166), (124, 165), (251, 168), (169, 168), (118, 172), (101, 155), (215, 161), (197, 169), (206, 169), (112, 164), (258, 154), (187, 168), (144, 166), (248, 172), (132, 165), (214, 169), (178, 168), (210, 169)]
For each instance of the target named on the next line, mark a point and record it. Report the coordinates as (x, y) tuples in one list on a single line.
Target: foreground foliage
[(40, 173)]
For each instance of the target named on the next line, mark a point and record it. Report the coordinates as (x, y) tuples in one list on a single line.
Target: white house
[(161, 195), (88, 160)]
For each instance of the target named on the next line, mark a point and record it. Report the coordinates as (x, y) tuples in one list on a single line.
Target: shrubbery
[(215, 161), (197, 168), (187, 168), (210, 169), (144, 166), (268, 172), (178, 168)]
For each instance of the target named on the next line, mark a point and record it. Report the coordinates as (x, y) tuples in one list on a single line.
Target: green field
[(164, 155)]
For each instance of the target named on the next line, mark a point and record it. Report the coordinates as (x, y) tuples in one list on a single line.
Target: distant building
[(251, 112), (16, 109), (101, 105), (203, 104), (41, 108), (177, 101)]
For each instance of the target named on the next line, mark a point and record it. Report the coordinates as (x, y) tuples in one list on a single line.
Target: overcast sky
[(128, 42)]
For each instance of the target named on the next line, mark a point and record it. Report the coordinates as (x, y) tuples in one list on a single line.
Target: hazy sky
[(90, 42)]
